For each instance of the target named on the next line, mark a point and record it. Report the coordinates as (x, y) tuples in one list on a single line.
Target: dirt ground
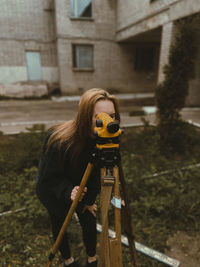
[(185, 249)]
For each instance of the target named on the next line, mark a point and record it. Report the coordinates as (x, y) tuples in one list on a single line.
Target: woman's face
[(105, 106)]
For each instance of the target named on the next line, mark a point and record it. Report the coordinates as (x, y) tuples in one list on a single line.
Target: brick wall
[(113, 62), (26, 25), (101, 27), (99, 32)]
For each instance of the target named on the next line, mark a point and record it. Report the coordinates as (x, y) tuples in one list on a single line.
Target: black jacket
[(57, 177)]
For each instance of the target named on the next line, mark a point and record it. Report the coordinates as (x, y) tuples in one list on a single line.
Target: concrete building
[(153, 21), (27, 41), (79, 44)]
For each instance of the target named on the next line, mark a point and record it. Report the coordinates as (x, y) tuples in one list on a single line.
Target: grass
[(161, 204)]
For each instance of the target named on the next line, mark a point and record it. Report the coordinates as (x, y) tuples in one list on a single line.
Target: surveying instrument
[(106, 156)]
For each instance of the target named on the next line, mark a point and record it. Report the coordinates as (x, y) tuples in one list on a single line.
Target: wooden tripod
[(110, 249)]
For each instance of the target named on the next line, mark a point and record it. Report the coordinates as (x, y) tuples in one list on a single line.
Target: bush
[(21, 151), (171, 93)]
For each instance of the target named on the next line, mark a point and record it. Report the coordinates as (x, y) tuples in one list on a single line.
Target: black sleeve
[(51, 175)]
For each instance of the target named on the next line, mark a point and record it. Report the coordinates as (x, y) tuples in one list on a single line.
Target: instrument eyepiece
[(113, 127)]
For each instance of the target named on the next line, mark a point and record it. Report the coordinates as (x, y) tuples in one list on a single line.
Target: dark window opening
[(83, 56)]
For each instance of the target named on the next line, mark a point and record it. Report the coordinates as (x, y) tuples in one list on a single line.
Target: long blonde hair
[(76, 133)]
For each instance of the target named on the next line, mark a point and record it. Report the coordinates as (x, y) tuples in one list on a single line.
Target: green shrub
[(171, 93), (21, 151)]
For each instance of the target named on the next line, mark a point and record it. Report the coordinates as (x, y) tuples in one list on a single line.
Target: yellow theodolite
[(107, 131)]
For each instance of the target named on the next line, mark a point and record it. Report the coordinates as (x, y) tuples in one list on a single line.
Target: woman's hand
[(92, 209), (74, 192)]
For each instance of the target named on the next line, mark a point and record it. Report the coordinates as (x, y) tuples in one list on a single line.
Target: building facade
[(27, 41), (154, 20), (80, 44)]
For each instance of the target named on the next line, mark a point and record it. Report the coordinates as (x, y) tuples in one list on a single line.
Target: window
[(83, 56), (81, 8), (144, 58)]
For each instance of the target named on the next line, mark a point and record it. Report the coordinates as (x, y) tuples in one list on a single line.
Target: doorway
[(33, 66)]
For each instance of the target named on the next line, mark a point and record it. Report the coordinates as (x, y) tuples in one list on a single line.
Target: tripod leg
[(117, 210), (115, 244), (104, 257), (69, 214), (127, 219)]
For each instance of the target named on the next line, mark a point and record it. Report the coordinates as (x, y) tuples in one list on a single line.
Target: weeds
[(161, 205)]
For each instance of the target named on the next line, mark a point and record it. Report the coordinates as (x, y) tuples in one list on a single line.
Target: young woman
[(65, 156)]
